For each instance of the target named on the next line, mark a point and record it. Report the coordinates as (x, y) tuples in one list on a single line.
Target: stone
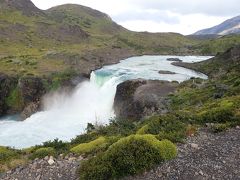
[(51, 161), (194, 146), (72, 159), (136, 99)]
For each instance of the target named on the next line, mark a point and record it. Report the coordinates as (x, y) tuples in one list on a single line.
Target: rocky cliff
[(136, 99)]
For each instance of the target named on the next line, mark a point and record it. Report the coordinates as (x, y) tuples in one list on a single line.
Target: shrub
[(219, 114), (84, 138), (191, 130), (58, 145), (174, 136), (166, 127), (143, 130), (216, 128), (14, 99), (128, 156), (43, 152), (89, 147), (7, 154)]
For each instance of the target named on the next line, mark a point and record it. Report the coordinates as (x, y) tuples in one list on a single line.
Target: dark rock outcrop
[(31, 89), (7, 83), (174, 59), (136, 99), (166, 72)]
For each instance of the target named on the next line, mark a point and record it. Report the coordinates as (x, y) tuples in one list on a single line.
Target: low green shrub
[(43, 152), (6, 154), (128, 156), (143, 130), (84, 138), (219, 127), (166, 127), (174, 136), (92, 146), (58, 145), (14, 100), (220, 113)]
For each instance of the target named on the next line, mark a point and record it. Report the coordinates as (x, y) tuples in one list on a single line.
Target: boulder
[(166, 72), (174, 59), (136, 99), (30, 109)]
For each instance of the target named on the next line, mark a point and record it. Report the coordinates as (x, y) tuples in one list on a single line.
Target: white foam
[(66, 116)]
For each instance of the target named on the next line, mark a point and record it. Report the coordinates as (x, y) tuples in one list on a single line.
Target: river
[(65, 116)]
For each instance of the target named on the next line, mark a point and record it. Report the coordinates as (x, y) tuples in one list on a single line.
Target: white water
[(65, 116)]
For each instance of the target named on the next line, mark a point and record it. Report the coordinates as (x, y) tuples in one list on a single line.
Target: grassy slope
[(29, 42)]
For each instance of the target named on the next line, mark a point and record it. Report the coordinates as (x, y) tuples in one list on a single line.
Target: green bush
[(58, 145), (128, 156), (217, 114), (89, 147), (15, 100), (84, 138), (174, 136), (216, 128), (7, 154), (43, 152), (166, 127), (143, 130)]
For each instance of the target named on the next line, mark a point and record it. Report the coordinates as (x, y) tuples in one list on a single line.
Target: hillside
[(230, 26), (36, 42)]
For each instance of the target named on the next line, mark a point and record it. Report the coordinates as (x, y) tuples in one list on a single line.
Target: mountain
[(25, 6), (41, 43), (37, 42), (230, 26)]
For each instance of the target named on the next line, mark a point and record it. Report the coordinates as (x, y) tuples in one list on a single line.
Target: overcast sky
[(182, 16)]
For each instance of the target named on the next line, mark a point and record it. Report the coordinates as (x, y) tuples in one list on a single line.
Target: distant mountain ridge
[(230, 26)]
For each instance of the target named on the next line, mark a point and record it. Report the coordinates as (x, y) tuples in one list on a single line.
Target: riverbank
[(204, 156)]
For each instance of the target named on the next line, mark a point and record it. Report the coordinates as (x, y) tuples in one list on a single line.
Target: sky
[(181, 16)]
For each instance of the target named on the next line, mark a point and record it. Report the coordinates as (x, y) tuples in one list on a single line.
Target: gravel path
[(46, 169), (205, 156)]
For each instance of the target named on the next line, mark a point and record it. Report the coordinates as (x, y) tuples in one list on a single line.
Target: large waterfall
[(66, 116)]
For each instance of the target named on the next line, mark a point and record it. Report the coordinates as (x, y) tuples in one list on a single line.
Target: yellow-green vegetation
[(10, 158), (128, 156), (92, 146), (43, 152), (14, 100), (215, 100), (165, 127), (217, 45)]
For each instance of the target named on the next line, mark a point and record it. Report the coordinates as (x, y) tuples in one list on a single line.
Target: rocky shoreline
[(204, 156)]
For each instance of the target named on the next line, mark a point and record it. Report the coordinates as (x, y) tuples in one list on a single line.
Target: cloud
[(158, 16), (181, 16), (187, 24), (207, 7)]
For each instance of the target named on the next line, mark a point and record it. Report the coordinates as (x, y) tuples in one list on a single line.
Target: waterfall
[(65, 116)]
